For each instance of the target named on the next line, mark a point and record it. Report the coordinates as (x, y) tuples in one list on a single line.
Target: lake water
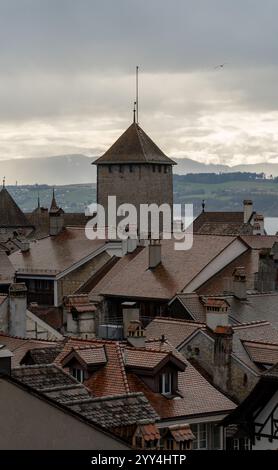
[(271, 225)]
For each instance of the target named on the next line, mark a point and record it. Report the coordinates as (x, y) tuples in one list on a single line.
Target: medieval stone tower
[(134, 170)]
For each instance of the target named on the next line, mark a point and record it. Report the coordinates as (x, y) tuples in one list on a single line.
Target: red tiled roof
[(53, 255), (198, 396), (258, 242), (176, 270), (20, 346), (175, 331), (116, 269), (147, 358), (262, 353), (182, 433), (110, 379), (89, 355), (149, 432)]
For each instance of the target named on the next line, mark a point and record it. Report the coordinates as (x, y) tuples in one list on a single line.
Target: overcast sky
[(67, 76)]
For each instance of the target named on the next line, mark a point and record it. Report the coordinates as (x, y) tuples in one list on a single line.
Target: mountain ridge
[(78, 169)]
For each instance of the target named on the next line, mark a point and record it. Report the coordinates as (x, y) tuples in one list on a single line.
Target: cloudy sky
[(67, 76)]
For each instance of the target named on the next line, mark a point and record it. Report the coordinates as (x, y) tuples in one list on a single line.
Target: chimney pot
[(247, 209), (154, 253)]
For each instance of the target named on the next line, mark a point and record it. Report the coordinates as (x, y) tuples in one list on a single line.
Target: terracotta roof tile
[(143, 358), (262, 353), (110, 379), (175, 331), (182, 433), (20, 346), (89, 355), (53, 255), (176, 270)]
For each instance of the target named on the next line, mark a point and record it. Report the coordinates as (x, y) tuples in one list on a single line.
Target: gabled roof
[(178, 269), (20, 346), (53, 255), (10, 214), (136, 358), (134, 146), (88, 356), (221, 223), (262, 353), (176, 331)]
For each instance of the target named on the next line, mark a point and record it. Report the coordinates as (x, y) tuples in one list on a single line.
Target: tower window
[(130, 168), (110, 168), (153, 168), (165, 169), (121, 169), (159, 168)]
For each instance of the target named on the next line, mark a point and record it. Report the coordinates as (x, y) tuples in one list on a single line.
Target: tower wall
[(135, 184)]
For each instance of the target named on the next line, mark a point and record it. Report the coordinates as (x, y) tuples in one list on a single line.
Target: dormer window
[(78, 374), (165, 383)]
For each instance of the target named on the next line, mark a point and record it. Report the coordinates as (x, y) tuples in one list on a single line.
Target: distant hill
[(77, 169)]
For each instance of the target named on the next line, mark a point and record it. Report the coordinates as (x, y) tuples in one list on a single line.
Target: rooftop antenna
[(134, 112), (4, 181), (137, 99), (203, 205)]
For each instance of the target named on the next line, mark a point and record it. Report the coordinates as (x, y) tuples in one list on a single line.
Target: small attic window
[(78, 374), (165, 383)]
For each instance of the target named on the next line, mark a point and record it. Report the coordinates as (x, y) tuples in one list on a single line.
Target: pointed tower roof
[(54, 208), (10, 214), (134, 146)]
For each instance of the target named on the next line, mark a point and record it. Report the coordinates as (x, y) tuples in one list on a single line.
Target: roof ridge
[(138, 129), (258, 343), (6, 335), (122, 366), (251, 324), (87, 347), (134, 348), (182, 320)]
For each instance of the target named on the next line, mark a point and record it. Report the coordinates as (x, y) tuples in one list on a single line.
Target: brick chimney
[(136, 334), (17, 309), (240, 283), (258, 227), (154, 253), (131, 312), (247, 209), (217, 313), (223, 348), (217, 319)]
